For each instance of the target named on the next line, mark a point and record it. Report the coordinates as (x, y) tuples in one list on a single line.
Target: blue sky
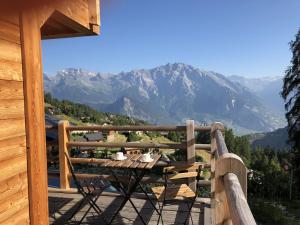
[(241, 37)]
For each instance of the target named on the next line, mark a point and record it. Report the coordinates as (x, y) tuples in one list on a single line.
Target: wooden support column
[(35, 117), (63, 138), (190, 149)]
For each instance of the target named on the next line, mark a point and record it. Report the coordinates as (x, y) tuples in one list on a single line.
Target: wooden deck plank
[(61, 206)]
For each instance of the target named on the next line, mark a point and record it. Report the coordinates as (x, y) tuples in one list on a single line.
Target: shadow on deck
[(61, 206)]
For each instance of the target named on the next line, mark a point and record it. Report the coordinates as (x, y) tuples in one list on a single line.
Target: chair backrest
[(183, 171), (78, 185)]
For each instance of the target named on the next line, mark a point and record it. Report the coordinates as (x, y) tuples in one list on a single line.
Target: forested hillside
[(83, 113)]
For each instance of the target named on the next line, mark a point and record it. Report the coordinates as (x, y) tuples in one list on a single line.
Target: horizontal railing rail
[(136, 128), (136, 145)]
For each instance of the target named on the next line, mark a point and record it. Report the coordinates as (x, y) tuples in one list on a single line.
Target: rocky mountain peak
[(167, 94)]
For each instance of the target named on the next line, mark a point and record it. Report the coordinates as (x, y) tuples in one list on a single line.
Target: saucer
[(120, 159), (146, 161)]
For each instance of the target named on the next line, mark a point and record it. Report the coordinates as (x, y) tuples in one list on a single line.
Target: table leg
[(145, 192), (127, 195)]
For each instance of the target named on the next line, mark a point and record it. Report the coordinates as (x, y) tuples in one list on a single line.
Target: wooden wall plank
[(13, 205), (21, 217), (12, 167), (11, 152), (9, 32), (10, 51), (10, 70), (11, 89), (13, 159), (11, 109), (9, 18), (13, 142), (11, 128), (35, 117), (13, 185)]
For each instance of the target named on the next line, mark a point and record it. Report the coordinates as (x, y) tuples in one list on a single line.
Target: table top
[(132, 162)]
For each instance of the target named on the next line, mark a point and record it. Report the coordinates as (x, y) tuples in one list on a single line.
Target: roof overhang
[(61, 18)]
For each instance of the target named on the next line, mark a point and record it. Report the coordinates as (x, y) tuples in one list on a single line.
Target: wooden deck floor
[(61, 206)]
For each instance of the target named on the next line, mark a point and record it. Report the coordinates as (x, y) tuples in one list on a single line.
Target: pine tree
[(291, 95)]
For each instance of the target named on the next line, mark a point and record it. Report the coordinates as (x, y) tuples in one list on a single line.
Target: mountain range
[(175, 92)]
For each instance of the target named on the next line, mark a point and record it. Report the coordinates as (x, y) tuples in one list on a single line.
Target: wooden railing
[(229, 183), (228, 173)]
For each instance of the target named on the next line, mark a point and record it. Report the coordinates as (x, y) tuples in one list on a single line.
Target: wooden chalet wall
[(23, 163), (14, 203)]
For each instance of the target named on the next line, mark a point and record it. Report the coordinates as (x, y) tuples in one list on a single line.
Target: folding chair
[(90, 188), (172, 191)]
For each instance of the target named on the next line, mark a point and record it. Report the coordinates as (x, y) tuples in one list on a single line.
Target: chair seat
[(176, 192), (94, 185)]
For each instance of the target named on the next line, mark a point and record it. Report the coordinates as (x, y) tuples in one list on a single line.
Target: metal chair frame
[(94, 188), (173, 170)]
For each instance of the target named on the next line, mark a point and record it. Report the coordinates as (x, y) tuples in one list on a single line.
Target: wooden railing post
[(220, 211), (63, 138), (190, 149)]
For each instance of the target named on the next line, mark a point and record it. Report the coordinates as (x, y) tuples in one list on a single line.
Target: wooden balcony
[(228, 183)]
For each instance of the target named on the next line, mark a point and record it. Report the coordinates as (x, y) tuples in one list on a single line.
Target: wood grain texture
[(16, 141), (219, 207), (11, 128), (10, 54), (13, 167), (13, 205), (136, 128), (11, 109), (63, 139), (10, 70), (238, 205), (13, 185), (9, 152), (76, 10), (9, 32), (190, 149), (94, 12), (173, 192), (20, 217), (231, 163), (155, 160), (10, 51), (35, 117), (9, 17), (11, 90), (127, 145)]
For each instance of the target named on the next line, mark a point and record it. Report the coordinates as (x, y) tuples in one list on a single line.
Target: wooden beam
[(63, 139), (190, 149), (34, 116), (137, 128), (44, 13), (94, 12), (126, 145), (239, 208)]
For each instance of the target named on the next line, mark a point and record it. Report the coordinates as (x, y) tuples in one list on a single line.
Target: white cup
[(146, 157), (119, 155)]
